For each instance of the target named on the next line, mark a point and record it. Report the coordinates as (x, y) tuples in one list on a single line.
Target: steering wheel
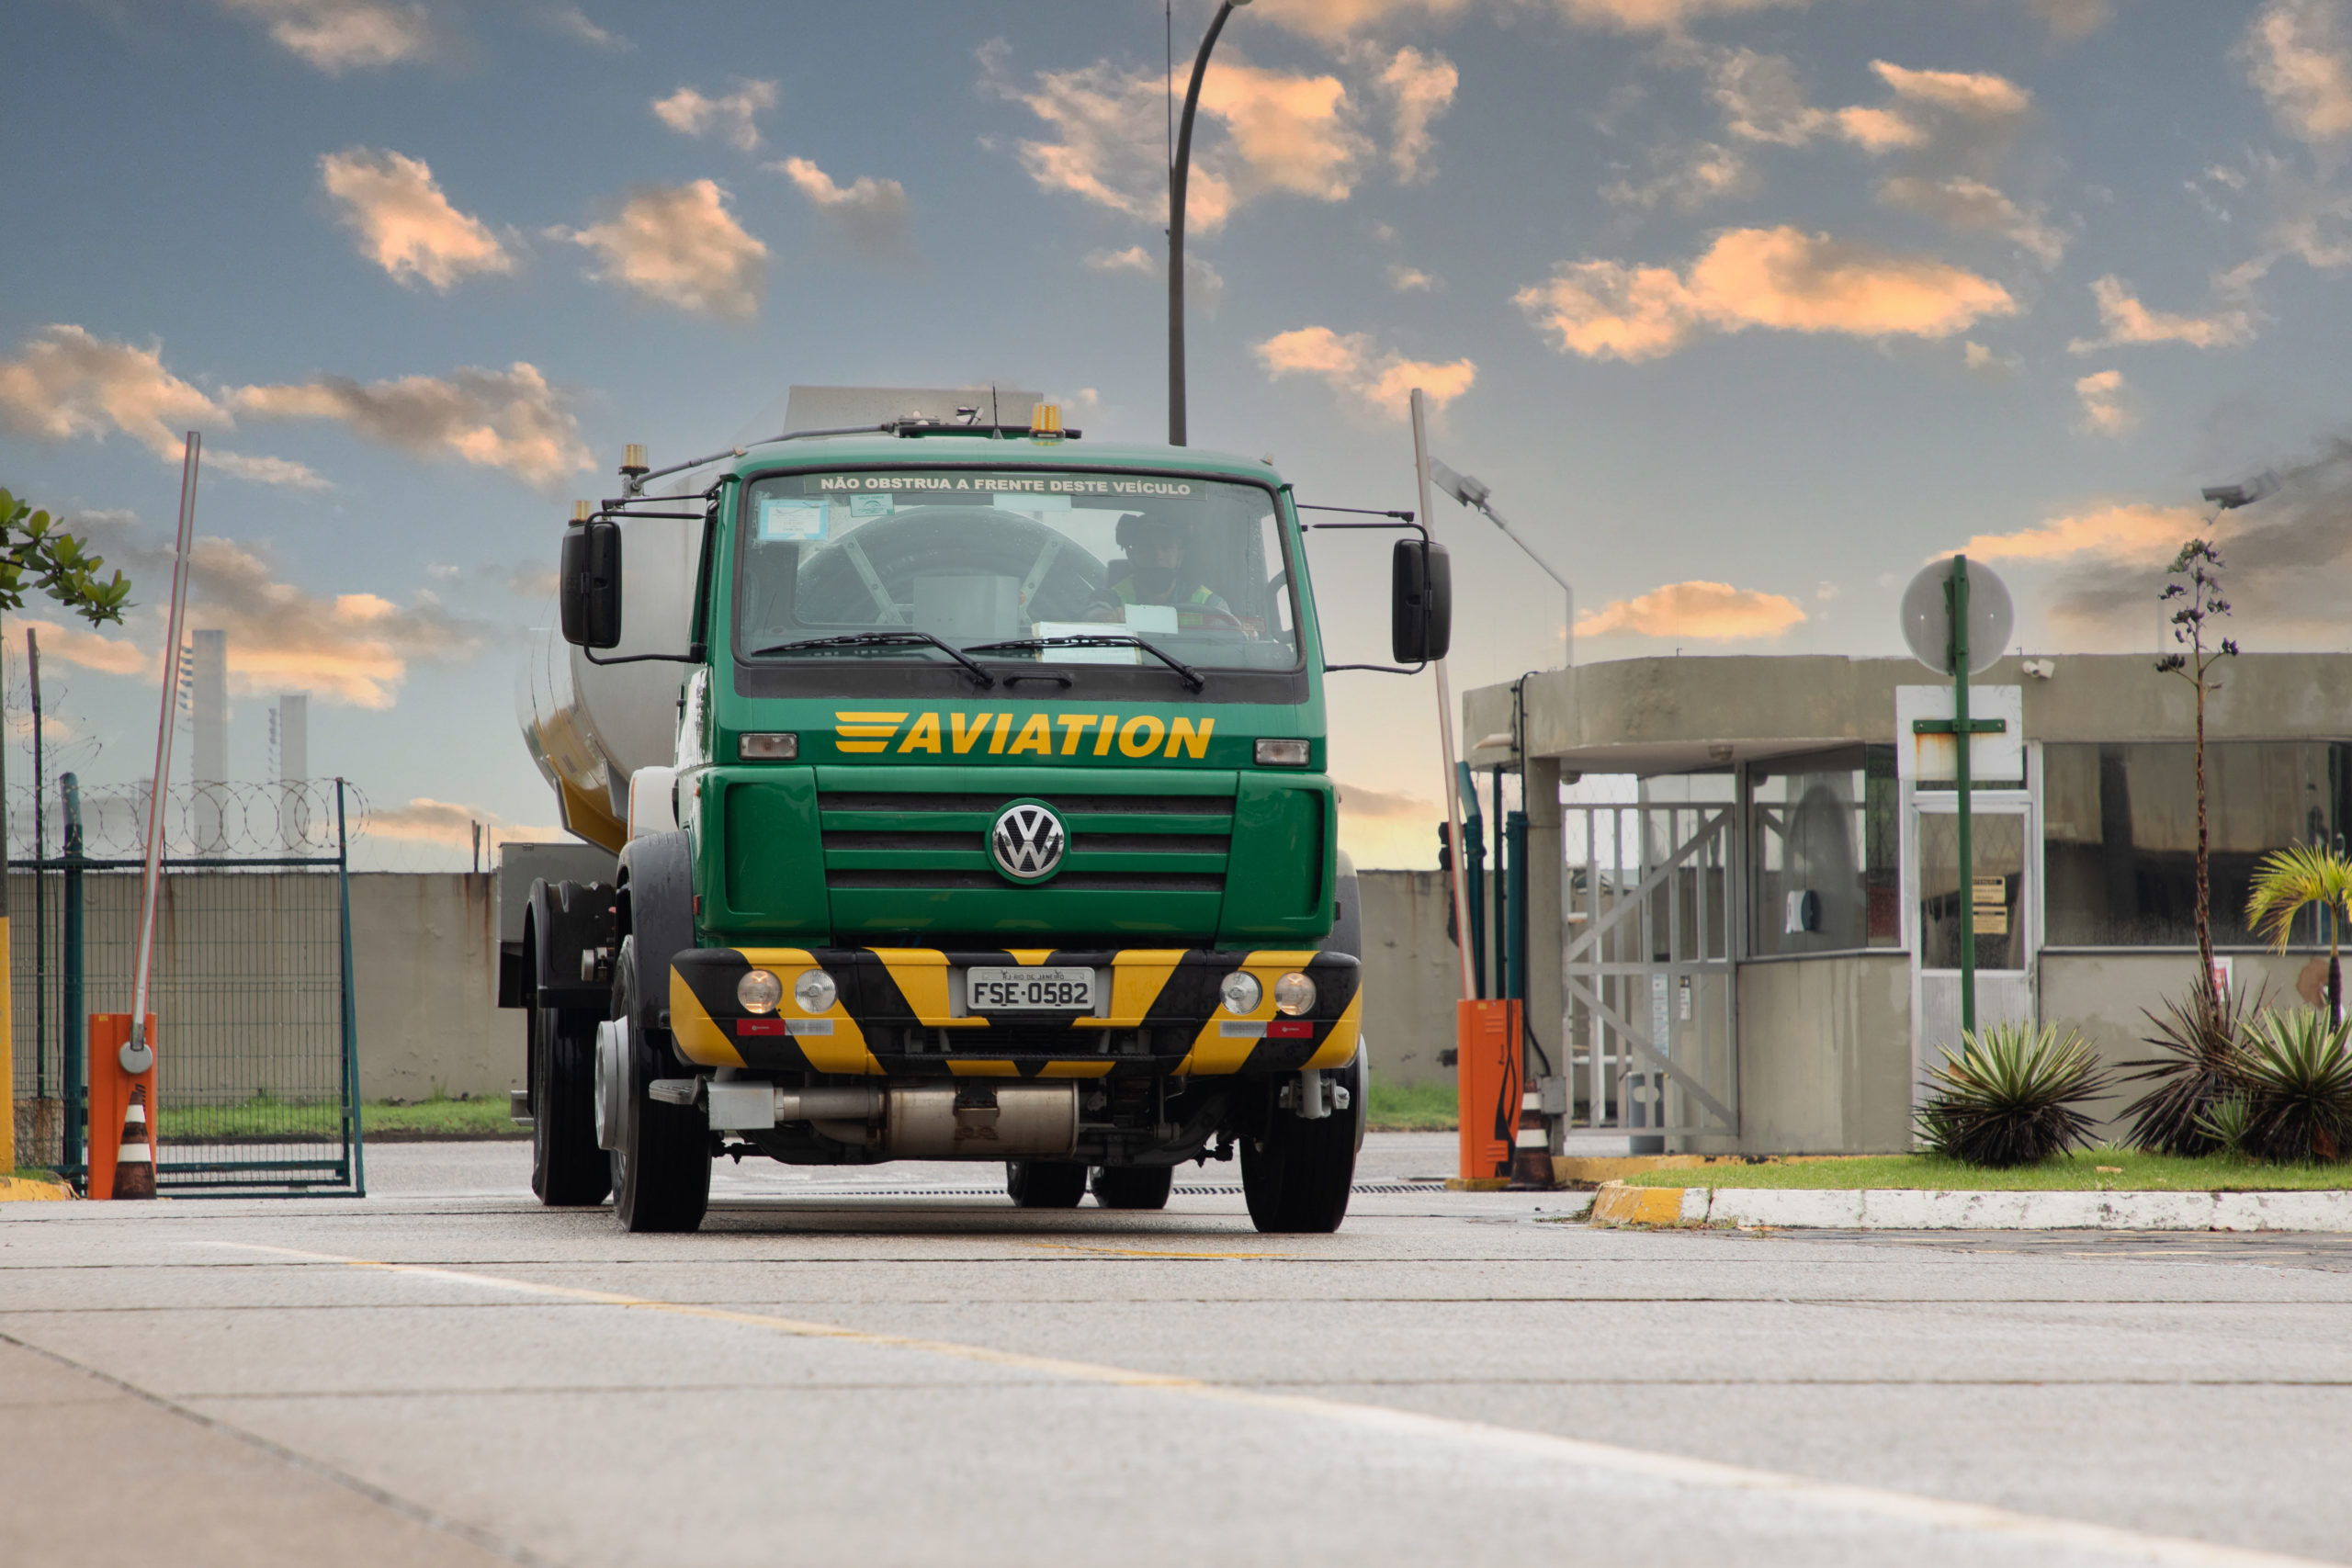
[(930, 541)]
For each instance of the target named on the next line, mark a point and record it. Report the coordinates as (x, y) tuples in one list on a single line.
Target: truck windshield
[(1196, 567)]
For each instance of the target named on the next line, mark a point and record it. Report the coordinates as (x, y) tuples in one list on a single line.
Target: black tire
[(661, 1178), (1133, 1186), (568, 1171), (1044, 1183), (1299, 1176)]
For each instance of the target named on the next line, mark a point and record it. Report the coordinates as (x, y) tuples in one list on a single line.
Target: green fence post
[(75, 1023), (1957, 594), (355, 1143)]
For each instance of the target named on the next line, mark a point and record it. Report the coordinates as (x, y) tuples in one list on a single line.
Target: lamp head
[(1464, 487), (2228, 498)]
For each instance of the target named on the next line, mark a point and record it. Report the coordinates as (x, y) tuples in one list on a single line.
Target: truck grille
[(877, 839)]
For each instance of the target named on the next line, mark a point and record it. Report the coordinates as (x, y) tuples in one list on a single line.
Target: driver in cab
[(1156, 572)]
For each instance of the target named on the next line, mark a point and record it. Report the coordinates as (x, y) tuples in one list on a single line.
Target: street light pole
[(1467, 490), (1179, 168)]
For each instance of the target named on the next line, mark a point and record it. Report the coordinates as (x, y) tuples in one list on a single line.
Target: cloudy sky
[(1745, 309)]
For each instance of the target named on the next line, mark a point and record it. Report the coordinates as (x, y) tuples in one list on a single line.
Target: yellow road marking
[(1413, 1428), (1141, 1252)]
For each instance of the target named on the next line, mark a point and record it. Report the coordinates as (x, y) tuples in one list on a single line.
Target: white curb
[(1899, 1209)]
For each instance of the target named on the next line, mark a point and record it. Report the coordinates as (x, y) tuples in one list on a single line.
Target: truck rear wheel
[(661, 1176), (1044, 1183), (1133, 1186), (1297, 1176), (568, 1171)]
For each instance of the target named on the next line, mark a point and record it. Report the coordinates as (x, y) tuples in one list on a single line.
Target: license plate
[(1029, 990)]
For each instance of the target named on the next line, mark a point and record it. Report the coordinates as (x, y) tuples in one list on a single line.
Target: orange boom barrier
[(111, 1102)]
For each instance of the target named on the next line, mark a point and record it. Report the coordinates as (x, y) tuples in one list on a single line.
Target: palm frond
[(2287, 881)]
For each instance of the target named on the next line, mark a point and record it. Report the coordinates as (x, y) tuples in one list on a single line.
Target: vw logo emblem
[(1027, 842)]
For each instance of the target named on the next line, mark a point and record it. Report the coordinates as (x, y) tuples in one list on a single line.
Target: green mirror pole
[(1956, 596)]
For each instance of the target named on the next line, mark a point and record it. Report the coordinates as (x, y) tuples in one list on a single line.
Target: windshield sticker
[(1044, 485), (791, 517), (871, 505)]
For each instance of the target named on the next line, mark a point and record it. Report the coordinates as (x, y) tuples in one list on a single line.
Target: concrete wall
[(1412, 976), (423, 970), (1825, 1057), (2104, 994), (424, 957)]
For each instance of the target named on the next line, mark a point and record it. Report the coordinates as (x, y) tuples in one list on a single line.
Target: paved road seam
[(1899, 1507)]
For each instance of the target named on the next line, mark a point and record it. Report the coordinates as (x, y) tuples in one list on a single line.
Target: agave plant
[(2009, 1097), (2230, 1123), (2299, 1077), (2199, 1064)]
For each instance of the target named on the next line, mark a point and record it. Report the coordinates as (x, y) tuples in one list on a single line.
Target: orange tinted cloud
[(1276, 131), (498, 419), (2104, 411), (429, 821), (1379, 382), (1709, 612), (679, 245), (2129, 321), (732, 116), (1781, 278), (2134, 532), (66, 383), (347, 648), (400, 220), (2299, 54)]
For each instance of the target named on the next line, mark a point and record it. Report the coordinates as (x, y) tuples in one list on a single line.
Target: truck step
[(518, 1107)]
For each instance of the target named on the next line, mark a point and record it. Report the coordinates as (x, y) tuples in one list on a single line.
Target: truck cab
[(997, 827)]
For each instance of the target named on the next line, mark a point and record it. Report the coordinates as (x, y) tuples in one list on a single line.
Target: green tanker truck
[(968, 789)]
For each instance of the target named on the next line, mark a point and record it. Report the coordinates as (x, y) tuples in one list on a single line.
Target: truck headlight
[(759, 991), (1239, 991), (1282, 753), (767, 748), (1294, 994), (815, 991)]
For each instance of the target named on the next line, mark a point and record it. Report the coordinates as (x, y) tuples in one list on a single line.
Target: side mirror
[(589, 592), (1421, 601)]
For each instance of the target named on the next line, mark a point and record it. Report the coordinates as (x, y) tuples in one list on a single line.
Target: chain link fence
[(251, 987)]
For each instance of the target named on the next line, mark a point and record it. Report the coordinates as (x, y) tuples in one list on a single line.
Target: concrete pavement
[(902, 1369)]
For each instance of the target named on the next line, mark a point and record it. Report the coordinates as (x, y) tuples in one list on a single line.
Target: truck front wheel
[(1044, 1183), (1133, 1186), (662, 1174), (1296, 1177), (568, 1171)]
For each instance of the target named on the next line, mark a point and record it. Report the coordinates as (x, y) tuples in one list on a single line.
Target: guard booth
[(1754, 943)]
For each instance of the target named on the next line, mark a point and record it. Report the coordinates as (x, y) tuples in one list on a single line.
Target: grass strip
[(2116, 1170), (1411, 1107), (262, 1118)]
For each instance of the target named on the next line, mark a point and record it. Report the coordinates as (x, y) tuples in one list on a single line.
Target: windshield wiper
[(908, 637), (1193, 679)]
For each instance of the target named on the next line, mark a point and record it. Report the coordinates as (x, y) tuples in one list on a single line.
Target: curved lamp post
[(1177, 172)]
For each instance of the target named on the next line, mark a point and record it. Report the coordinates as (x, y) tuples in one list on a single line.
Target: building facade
[(1759, 950)]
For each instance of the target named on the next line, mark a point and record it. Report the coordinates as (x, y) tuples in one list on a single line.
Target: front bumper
[(896, 1014)]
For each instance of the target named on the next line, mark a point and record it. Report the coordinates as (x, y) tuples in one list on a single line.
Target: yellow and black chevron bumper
[(894, 1014)]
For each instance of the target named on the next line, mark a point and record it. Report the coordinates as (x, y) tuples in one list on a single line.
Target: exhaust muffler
[(977, 1119)]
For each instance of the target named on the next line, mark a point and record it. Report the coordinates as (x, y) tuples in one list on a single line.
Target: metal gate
[(1649, 918), (256, 1033)]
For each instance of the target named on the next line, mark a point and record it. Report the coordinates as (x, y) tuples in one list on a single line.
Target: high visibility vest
[(1125, 589)]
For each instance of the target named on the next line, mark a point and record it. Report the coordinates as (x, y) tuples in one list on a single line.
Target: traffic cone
[(134, 1166)]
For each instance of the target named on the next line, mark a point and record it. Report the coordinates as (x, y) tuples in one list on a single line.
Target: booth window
[(1823, 850), (2119, 833)]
